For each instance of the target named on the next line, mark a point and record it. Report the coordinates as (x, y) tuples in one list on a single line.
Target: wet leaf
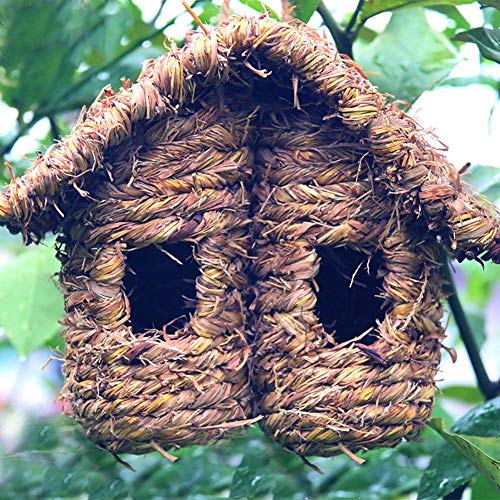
[(448, 469), (265, 469), (55, 460), (482, 452), (385, 474), (392, 63)]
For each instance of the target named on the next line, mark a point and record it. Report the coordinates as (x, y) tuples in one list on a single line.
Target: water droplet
[(255, 480)]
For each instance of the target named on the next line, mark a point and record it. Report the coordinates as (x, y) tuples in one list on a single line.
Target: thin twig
[(342, 42), (157, 15), (54, 129), (22, 130), (90, 74), (80, 83), (487, 387), (354, 17)]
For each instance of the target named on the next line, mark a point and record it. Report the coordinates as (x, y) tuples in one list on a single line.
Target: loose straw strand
[(193, 14), (225, 11), (286, 11)]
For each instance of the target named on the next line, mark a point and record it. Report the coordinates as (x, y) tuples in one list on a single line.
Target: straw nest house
[(250, 232)]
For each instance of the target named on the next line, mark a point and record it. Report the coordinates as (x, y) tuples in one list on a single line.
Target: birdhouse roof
[(419, 179)]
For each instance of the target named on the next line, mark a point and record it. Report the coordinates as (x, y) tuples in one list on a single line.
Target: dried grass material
[(185, 382), (315, 392), (258, 144)]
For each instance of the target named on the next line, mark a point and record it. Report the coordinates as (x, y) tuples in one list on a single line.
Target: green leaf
[(487, 40), (482, 452), (45, 47), (259, 6), (479, 79), (454, 14), (477, 324), (366, 35), (31, 305), (54, 460), (210, 12), (385, 474), (448, 469), (266, 469), (492, 16), (392, 63), (373, 7), (483, 489), (486, 180), (304, 9), (465, 393), (458, 21), (480, 284)]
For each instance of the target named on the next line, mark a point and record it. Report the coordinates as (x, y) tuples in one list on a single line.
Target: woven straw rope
[(175, 388), (180, 157), (316, 393)]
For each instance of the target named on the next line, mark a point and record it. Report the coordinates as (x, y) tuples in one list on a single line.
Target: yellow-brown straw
[(225, 11), (193, 14), (257, 144), (286, 11)]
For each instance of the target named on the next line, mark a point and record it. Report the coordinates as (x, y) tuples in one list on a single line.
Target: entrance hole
[(160, 284), (348, 299)]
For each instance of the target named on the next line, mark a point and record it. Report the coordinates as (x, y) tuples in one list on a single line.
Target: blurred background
[(55, 56)]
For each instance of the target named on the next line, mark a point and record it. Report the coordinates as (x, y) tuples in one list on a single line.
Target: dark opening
[(348, 298), (161, 290)]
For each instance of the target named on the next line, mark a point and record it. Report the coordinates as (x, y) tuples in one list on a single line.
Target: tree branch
[(487, 387), (54, 129), (158, 12), (22, 130), (343, 43), (77, 85), (354, 17), (91, 73)]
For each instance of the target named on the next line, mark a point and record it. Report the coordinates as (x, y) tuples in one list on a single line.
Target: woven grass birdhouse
[(248, 232)]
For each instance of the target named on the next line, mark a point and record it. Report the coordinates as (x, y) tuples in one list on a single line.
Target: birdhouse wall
[(265, 161)]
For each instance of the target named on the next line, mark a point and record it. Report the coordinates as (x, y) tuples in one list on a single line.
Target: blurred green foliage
[(31, 302), (55, 56)]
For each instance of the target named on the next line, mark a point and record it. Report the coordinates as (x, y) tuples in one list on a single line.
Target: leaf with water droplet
[(482, 452), (448, 463)]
